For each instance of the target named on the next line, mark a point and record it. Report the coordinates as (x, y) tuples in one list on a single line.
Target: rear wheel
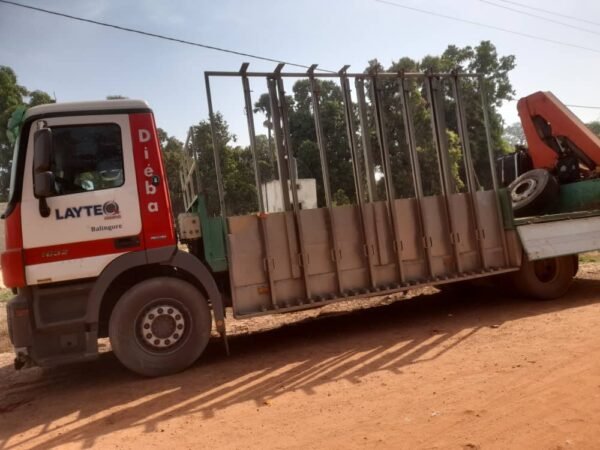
[(545, 279), (160, 326)]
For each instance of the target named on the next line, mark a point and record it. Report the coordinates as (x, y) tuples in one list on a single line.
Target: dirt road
[(438, 371)]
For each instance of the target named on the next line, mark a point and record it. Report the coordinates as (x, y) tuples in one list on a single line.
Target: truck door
[(94, 212)]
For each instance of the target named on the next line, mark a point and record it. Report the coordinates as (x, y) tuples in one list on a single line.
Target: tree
[(12, 95), (236, 180), (172, 154), (39, 98), (595, 127), (514, 134), (480, 59), (303, 136)]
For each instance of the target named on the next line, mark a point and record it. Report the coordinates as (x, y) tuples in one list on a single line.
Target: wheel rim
[(163, 326), (546, 270), (523, 190)]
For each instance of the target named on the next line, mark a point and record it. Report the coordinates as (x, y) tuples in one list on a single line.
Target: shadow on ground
[(263, 366)]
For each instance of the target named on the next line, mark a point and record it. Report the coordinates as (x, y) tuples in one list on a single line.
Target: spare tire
[(533, 192)]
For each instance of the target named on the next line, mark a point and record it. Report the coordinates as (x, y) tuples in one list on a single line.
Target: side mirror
[(42, 150), (43, 178), (43, 184)]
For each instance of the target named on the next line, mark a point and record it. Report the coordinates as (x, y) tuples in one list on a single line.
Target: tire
[(533, 192), (160, 326), (545, 279), (575, 264)]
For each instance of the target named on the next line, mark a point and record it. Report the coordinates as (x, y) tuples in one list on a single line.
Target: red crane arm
[(548, 124)]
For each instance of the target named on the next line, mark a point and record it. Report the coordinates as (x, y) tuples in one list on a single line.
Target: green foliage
[(237, 161), (589, 258), (480, 59), (303, 135), (39, 98), (12, 95), (595, 127), (514, 134), (237, 167), (5, 295), (172, 154), (340, 198)]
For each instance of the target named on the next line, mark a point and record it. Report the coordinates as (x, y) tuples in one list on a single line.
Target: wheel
[(533, 192), (160, 326), (545, 279), (575, 265)]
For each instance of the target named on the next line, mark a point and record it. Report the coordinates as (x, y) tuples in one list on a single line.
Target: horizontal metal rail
[(348, 74)]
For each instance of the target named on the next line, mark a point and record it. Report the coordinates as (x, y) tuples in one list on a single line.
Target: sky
[(77, 61)]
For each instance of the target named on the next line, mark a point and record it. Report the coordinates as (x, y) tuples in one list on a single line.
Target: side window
[(87, 158)]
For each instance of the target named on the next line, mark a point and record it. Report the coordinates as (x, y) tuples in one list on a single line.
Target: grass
[(5, 346), (589, 258), (5, 295)]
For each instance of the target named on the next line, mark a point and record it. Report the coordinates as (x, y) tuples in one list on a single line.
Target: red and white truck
[(92, 251)]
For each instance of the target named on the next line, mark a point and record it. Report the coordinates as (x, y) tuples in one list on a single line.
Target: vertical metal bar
[(272, 156), (366, 141), (488, 133), (194, 156), (262, 218), (182, 181), (216, 155), (461, 121), (382, 137), (409, 132), (377, 94), (315, 96), (285, 124), (252, 136), (282, 167), (438, 124), (488, 136), (411, 142), (192, 168), (269, 261), (183, 170), (463, 132), (438, 127), (351, 136), (336, 251)]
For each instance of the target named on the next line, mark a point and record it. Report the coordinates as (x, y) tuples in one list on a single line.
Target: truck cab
[(88, 218)]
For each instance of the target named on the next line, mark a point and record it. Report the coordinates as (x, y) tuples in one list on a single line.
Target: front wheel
[(545, 279), (160, 326)]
